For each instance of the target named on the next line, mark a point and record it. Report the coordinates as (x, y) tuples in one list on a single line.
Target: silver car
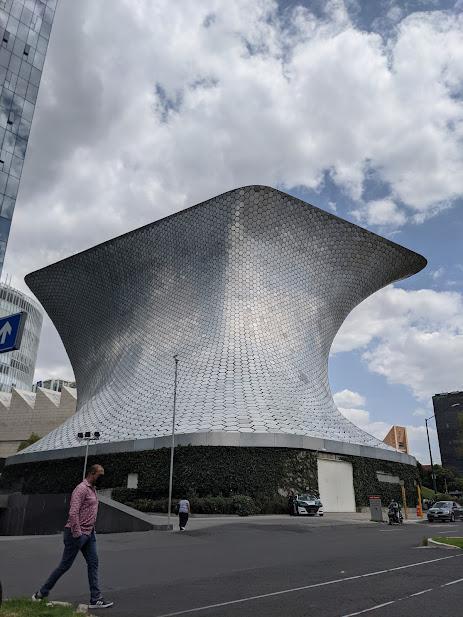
[(445, 511)]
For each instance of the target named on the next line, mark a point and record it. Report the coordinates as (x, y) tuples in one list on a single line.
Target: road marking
[(372, 608), (305, 587), (420, 593), (460, 580)]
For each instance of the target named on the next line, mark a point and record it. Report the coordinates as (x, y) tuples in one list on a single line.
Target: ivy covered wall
[(210, 470), (366, 482)]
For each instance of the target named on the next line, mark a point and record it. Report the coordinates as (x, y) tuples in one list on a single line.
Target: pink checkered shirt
[(83, 509)]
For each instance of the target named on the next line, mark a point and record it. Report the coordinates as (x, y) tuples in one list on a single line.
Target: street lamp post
[(87, 436), (171, 472), (433, 475)]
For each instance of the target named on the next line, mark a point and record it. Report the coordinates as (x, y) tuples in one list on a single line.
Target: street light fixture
[(433, 475), (87, 436)]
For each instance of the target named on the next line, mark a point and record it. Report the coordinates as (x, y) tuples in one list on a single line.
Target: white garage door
[(336, 486)]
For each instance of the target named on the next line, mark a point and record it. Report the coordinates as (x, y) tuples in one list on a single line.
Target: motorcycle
[(395, 516)]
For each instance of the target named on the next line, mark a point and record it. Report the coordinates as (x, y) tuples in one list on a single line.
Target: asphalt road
[(296, 567)]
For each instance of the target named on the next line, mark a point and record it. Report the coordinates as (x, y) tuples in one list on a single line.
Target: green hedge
[(366, 482), (198, 471), (238, 504), (265, 474)]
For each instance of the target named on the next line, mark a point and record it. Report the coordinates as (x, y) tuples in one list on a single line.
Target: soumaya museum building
[(248, 290)]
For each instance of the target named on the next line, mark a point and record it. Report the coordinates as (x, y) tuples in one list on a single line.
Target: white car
[(309, 504)]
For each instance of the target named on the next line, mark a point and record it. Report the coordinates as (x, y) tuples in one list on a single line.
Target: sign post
[(11, 331)]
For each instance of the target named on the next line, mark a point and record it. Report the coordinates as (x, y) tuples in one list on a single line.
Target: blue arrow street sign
[(11, 331)]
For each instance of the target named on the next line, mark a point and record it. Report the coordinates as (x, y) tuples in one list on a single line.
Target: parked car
[(309, 504), (445, 511)]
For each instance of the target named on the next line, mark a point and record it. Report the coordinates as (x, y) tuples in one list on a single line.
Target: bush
[(244, 505), (239, 504), (271, 504), (124, 494), (444, 497)]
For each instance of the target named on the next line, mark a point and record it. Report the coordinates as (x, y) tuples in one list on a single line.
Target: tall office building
[(25, 27), (448, 411)]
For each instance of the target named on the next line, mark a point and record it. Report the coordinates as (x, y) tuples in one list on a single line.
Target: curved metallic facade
[(249, 289)]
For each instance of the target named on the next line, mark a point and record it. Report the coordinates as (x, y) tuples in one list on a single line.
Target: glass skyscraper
[(448, 411), (25, 27)]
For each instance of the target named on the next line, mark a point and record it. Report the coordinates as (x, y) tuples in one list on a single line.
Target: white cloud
[(437, 274), (413, 338), (417, 438), (347, 398), (421, 413), (382, 212)]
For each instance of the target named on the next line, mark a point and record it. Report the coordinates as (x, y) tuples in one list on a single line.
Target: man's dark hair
[(92, 469)]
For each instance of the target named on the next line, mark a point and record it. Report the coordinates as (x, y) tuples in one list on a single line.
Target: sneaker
[(37, 597), (100, 603), (182, 528)]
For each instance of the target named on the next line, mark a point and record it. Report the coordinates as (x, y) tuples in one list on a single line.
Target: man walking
[(79, 535)]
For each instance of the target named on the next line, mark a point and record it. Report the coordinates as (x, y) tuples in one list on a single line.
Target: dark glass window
[(16, 10), (42, 45), (13, 25), (5, 56), (21, 87), (3, 181), (26, 16), (25, 70), (31, 94), (15, 64), (12, 187), (4, 229)]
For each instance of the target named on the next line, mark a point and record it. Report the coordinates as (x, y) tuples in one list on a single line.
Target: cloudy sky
[(147, 107)]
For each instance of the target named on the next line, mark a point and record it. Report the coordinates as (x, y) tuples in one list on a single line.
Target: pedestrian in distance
[(183, 512), (291, 504), (79, 535)]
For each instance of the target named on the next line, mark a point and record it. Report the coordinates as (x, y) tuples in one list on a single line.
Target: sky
[(146, 108)]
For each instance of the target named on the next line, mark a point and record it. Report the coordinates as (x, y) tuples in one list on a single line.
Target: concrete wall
[(23, 413), (47, 514)]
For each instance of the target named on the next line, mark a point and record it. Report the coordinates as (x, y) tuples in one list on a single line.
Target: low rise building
[(23, 413), (398, 439), (53, 383)]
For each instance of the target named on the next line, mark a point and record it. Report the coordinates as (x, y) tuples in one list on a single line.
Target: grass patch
[(26, 608), (453, 541), (427, 493)]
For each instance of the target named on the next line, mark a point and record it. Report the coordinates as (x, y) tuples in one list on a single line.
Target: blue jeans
[(86, 544)]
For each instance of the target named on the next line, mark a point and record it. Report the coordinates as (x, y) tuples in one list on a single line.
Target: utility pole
[(433, 475), (172, 447), (88, 436)]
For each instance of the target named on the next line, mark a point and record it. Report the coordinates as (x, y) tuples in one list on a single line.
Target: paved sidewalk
[(200, 521)]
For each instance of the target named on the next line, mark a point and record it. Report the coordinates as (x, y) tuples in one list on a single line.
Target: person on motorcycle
[(394, 512)]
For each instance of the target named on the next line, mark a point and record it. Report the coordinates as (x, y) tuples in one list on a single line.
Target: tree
[(28, 442)]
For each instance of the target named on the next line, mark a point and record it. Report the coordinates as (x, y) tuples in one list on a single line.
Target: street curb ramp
[(116, 517)]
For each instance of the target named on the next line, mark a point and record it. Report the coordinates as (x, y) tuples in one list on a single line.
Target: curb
[(442, 544)]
